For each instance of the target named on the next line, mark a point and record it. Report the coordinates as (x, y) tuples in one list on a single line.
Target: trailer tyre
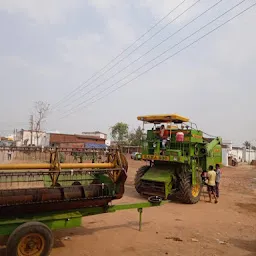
[(189, 194), (137, 181), (31, 238)]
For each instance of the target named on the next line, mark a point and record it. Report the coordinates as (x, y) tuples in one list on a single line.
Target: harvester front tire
[(186, 191), (137, 181), (31, 238)]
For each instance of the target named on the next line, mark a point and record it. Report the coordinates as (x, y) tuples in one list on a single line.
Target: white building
[(238, 153), (39, 139), (241, 154), (96, 134)]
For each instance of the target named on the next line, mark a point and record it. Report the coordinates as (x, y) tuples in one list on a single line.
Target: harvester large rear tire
[(137, 181), (188, 193)]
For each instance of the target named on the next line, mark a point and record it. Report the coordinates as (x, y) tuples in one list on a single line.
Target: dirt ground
[(226, 228)]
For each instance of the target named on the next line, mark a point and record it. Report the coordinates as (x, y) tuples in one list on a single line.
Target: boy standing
[(211, 184)]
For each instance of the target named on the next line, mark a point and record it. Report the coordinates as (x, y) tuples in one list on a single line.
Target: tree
[(135, 137), (253, 147), (41, 111), (247, 144), (119, 132)]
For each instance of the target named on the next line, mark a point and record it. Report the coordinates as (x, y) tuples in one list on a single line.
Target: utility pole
[(31, 129)]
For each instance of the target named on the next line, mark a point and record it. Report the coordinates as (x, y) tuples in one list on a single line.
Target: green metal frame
[(69, 219)]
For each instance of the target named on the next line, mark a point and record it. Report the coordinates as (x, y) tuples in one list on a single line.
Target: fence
[(37, 154)]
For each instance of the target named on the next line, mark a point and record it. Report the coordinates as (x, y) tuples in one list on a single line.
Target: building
[(241, 154), (3, 139), (96, 134), (52, 139), (28, 138), (238, 153), (76, 141)]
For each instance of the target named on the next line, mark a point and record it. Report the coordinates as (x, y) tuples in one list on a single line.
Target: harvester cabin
[(179, 134), (162, 119)]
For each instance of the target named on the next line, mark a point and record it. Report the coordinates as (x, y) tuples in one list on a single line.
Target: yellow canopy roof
[(172, 127), (174, 118)]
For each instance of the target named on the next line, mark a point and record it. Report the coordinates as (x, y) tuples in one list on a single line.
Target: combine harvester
[(50, 196), (176, 159)]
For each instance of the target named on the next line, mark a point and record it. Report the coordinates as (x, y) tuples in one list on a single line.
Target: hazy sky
[(49, 48)]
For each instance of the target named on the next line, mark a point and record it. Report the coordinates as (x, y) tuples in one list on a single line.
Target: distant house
[(3, 139), (56, 139), (96, 134), (241, 154), (28, 138), (76, 141)]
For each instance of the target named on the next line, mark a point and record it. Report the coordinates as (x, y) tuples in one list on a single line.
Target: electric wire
[(70, 95), (154, 47), (162, 60)]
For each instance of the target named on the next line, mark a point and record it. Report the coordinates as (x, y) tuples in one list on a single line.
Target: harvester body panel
[(157, 181)]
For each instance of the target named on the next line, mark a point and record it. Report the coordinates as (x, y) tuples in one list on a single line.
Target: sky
[(53, 50)]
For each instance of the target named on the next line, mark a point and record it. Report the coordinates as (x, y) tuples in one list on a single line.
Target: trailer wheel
[(188, 193), (30, 239), (137, 182)]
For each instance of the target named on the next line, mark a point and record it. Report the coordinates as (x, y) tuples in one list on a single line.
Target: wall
[(95, 134), (225, 154), (71, 145), (238, 153), (249, 155), (24, 138), (75, 141), (245, 155)]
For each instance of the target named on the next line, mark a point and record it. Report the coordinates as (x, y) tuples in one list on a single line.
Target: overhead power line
[(70, 95), (67, 114), (154, 47)]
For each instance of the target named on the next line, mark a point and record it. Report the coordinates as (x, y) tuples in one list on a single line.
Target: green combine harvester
[(177, 156)]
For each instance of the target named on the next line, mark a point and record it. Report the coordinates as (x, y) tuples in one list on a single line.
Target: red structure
[(73, 140)]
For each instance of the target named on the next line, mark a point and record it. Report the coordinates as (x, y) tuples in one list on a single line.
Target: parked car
[(136, 156)]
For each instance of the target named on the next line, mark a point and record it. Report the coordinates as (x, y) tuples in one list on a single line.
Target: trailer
[(32, 234), (34, 202)]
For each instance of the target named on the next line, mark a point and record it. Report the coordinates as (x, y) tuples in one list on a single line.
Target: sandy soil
[(226, 228)]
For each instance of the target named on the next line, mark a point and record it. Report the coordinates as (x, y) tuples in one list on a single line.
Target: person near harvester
[(163, 136), (218, 174), (211, 184), (9, 154), (204, 177)]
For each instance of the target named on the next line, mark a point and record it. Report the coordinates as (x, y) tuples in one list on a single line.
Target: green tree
[(135, 137), (119, 132)]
